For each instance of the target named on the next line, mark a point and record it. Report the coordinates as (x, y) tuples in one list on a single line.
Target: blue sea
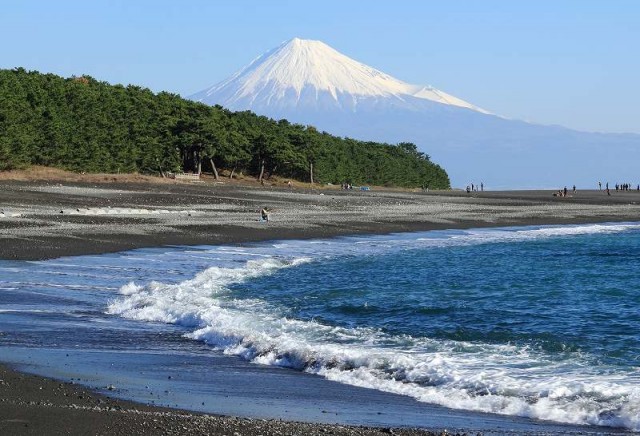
[(534, 322)]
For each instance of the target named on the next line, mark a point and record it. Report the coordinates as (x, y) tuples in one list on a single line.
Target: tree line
[(82, 124)]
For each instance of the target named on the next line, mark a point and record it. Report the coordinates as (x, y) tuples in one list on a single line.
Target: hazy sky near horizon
[(569, 62)]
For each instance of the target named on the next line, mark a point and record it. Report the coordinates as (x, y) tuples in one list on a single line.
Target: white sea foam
[(504, 379), (527, 234)]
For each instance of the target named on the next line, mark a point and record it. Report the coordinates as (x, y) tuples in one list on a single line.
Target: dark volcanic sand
[(72, 219), (32, 405), (33, 227)]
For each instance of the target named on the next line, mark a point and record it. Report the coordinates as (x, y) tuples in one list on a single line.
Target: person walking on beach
[(264, 214), (600, 186)]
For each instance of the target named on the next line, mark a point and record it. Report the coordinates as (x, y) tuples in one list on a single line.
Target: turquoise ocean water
[(539, 322)]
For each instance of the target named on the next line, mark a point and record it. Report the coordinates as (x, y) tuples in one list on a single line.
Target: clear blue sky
[(570, 62)]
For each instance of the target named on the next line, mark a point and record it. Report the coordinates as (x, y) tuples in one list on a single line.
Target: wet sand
[(32, 405), (43, 219)]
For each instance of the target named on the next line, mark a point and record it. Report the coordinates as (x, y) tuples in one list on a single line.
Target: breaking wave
[(507, 379)]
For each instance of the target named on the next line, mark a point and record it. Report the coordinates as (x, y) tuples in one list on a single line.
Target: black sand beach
[(48, 219)]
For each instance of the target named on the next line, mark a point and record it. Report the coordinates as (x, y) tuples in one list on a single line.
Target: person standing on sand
[(264, 214), (600, 186)]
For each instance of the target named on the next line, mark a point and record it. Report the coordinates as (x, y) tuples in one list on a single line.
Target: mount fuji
[(308, 82)]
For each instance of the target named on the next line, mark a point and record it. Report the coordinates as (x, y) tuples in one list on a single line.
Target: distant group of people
[(475, 188), (561, 192), (619, 187), (564, 192), (346, 186), (625, 187)]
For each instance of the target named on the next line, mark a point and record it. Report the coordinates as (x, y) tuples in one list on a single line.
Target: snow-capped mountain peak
[(310, 83), (306, 72)]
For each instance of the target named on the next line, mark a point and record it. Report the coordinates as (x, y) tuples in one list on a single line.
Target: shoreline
[(36, 405), (206, 215), (43, 220)]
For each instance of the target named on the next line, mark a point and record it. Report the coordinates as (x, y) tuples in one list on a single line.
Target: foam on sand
[(4, 214), (89, 211)]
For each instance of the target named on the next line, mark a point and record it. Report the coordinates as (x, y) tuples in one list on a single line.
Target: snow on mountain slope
[(307, 73)]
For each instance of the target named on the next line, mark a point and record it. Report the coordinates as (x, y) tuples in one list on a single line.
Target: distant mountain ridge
[(308, 82)]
